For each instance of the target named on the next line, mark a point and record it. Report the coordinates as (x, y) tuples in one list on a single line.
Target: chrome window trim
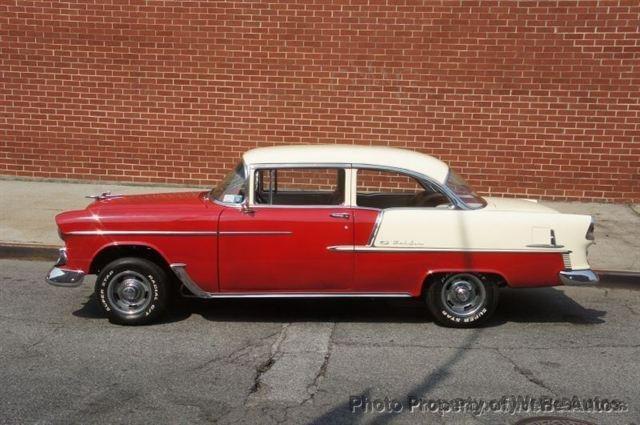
[(230, 204), (349, 185), (328, 207), (457, 202), (344, 166), (458, 198)]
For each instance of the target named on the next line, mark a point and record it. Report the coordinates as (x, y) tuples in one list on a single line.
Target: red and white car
[(322, 221)]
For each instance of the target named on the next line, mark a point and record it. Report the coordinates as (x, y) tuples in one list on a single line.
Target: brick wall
[(534, 98)]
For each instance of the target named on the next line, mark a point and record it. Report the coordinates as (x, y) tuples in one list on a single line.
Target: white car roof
[(350, 154)]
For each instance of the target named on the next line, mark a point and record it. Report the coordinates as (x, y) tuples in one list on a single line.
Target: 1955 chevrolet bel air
[(322, 221)]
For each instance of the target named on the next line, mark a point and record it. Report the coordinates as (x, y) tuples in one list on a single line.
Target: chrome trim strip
[(142, 232), (544, 245), (64, 278), (183, 275), (256, 232), (267, 206), (176, 233), (578, 277), (376, 228), (308, 295), (180, 269), (367, 248)]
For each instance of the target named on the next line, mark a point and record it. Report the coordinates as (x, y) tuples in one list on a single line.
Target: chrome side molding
[(142, 232), (180, 269), (179, 233), (405, 249), (181, 272)]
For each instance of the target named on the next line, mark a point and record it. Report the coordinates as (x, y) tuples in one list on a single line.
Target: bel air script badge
[(401, 243)]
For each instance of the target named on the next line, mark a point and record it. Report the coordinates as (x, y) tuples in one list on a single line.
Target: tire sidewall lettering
[(106, 280)]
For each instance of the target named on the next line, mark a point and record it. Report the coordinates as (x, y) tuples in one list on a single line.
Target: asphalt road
[(269, 361)]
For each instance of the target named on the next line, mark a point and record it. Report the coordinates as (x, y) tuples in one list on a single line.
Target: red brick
[(533, 98)]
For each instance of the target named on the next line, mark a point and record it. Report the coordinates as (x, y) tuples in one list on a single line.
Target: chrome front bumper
[(58, 276), (66, 278), (578, 277)]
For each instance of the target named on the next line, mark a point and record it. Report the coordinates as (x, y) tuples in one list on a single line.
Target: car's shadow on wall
[(540, 305)]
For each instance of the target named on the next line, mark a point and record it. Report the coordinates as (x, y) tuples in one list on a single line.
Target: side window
[(390, 189), (299, 186)]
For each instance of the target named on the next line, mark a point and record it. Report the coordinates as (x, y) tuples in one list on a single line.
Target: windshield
[(232, 188), (462, 189)]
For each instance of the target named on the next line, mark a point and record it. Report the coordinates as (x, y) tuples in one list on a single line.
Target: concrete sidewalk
[(28, 208)]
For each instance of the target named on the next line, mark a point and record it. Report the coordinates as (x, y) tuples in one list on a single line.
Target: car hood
[(152, 200), (513, 204)]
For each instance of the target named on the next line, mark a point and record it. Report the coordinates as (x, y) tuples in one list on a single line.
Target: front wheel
[(133, 291), (462, 300)]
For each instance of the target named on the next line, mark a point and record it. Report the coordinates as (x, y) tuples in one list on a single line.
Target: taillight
[(590, 235)]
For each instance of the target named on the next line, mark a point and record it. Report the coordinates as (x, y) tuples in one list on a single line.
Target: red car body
[(322, 221), (228, 251)]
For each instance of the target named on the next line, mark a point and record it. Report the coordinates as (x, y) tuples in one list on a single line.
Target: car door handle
[(340, 215)]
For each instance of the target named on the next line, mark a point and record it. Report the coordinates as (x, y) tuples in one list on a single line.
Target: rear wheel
[(133, 291), (462, 300)]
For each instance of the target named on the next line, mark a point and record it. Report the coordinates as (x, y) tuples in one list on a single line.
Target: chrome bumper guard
[(58, 276), (578, 277)]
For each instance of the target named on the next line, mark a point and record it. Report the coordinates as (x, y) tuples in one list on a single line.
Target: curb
[(608, 278), (28, 251), (616, 278)]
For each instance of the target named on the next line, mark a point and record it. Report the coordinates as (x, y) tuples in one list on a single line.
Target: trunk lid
[(514, 204)]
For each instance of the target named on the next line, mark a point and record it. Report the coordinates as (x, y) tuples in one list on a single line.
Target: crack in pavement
[(297, 363), (233, 355), (312, 389), (526, 373), (268, 363)]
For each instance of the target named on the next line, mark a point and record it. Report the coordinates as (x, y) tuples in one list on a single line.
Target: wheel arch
[(432, 275), (112, 252)]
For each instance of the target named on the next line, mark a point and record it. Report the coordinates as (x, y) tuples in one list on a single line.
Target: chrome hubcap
[(129, 292), (463, 295)]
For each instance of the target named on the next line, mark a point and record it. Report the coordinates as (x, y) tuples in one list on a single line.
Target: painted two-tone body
[(219, 249)]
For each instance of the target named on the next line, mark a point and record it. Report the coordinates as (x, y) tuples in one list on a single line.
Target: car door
[(280, 241)]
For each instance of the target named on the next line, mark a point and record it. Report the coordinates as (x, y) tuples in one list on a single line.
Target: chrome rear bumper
[(578, 277)]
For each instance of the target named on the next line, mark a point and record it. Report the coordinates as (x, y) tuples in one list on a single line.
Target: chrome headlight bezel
[(62, 257)]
